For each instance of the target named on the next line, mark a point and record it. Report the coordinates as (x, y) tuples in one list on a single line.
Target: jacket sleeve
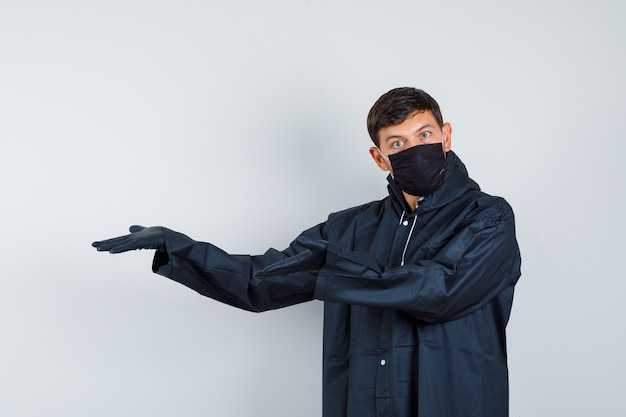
[(480, 261), (231, 279)]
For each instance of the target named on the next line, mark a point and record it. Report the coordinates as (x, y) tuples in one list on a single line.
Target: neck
[(411, 200)]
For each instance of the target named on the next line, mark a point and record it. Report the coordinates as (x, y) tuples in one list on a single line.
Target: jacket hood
[(457, 182)]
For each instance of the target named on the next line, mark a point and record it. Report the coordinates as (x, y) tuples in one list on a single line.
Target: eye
[(397, 144), (425, 135)]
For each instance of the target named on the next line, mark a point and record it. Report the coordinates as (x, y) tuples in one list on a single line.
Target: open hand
[(139, 238)]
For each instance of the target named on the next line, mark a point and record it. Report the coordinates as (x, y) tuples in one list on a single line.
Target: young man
[(417, 287)]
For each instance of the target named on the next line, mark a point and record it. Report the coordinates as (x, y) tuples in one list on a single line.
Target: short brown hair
[(396, 106)]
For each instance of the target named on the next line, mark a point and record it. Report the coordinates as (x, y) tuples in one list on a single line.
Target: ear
[(447, 133), (378, 158)]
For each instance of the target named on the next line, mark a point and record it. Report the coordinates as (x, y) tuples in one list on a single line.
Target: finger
[(357, 260), (304, 261), (135, 228), (286, 265), (109, 243), (319, 245), (129, 245)]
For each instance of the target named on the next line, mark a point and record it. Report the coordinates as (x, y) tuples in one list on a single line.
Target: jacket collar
[(457, 183)]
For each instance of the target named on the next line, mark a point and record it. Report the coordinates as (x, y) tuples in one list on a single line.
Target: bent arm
[(479, 262)]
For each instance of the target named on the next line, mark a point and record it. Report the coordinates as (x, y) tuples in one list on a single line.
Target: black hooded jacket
[(416, 303)]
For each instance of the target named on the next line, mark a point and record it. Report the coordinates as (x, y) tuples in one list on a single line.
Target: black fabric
[(419, 170), (426, 338)]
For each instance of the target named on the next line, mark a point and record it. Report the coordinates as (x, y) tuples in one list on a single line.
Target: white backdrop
[(242, 123)]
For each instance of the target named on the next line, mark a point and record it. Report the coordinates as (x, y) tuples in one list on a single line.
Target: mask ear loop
[(384, 157), (443, 146)]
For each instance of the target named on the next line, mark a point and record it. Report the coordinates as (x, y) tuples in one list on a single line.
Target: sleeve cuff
[(321, 284), (160, 259)]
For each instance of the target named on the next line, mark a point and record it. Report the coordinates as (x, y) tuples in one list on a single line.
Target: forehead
[(411, 125)]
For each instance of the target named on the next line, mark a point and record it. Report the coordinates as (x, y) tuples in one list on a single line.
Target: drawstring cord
[(408, 239)]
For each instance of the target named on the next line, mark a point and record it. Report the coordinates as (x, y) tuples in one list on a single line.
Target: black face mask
[(419, 170)]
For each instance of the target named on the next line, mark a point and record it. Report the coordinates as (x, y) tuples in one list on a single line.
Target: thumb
[(135, 228)]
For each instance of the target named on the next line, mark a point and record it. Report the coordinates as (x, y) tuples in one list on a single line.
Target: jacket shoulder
[(341, 219), (489, 207), (357, 210)]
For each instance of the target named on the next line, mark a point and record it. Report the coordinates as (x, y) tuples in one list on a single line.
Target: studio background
[(242, 124)]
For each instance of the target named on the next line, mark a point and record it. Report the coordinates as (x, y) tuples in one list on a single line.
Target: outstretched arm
[(214, 273)]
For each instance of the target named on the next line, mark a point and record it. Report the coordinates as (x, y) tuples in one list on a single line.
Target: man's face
[(420, 128)]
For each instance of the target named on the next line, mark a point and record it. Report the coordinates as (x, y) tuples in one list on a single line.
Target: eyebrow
[(427, 125)]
